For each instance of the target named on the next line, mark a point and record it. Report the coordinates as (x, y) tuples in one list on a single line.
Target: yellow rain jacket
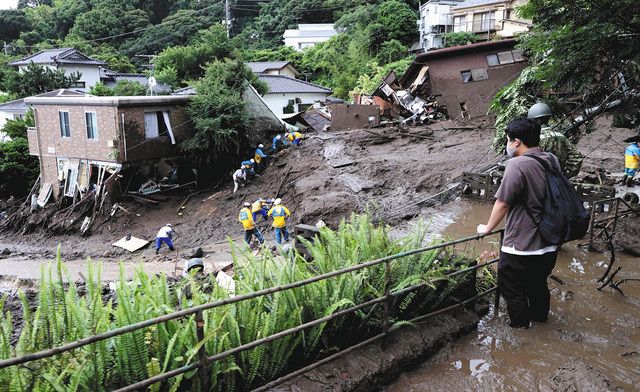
[(279, 215), (246, 218), (257, 205), (294, 135)]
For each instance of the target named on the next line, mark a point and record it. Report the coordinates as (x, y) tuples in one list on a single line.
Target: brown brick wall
[(445, 79), (76, 146), (140, 148)]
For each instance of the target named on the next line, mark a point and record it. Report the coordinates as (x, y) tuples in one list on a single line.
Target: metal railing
[(202, 365)]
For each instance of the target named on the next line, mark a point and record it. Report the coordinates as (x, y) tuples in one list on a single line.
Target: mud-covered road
[(590, 343)]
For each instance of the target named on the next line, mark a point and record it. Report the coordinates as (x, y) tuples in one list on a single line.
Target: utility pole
[(227, 17)]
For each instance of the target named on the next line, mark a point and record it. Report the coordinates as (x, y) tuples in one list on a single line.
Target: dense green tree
[(459, 38), (107, 22), (107, 53), (15, 128), (12, 23), (219, 114), (65, 14), (174, 30), (390, 51), (43, 25), (36, 79), (188, 60), (18, 169), (398, 19), (122, 88)]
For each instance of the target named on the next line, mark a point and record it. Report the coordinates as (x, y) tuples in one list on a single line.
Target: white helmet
[(247, 204), (252, 160), (277, 201), (278, 137), (261, 146), (168, 225)]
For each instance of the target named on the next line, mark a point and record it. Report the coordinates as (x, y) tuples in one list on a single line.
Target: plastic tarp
[(167, 123)]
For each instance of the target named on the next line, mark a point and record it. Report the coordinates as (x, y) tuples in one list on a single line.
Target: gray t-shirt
[(524, 181)]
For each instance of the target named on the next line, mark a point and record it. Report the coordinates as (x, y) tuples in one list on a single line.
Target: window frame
[(63, 134), (461, 25), (94, 125)]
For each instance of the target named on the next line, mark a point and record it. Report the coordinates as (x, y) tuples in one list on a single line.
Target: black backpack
[(563, 216)]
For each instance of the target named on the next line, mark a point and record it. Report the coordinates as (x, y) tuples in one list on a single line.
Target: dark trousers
[(523, 285)]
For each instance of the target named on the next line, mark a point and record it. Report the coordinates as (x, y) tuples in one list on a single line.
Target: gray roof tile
[(57, 56), (261, 66), (286, 84)]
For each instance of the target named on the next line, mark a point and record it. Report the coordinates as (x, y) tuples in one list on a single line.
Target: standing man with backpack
[(536, 223)]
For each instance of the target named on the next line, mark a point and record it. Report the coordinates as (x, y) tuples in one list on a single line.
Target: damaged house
[(463, 78), (81, 141)]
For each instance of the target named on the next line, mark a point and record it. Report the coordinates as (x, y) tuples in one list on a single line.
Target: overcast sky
[(4, 4)]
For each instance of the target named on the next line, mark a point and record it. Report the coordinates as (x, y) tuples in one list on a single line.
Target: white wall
[(277, 101), (301, 43)]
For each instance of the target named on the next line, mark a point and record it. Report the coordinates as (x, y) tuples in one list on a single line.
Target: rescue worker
[(249, 167), (556, 142), (239, 179), (631, 161), (279, 213), (164, 236), (195, 267), (201, 282), (278, 139), (258, 156), (246, 218), (294, 137), (257, 209)]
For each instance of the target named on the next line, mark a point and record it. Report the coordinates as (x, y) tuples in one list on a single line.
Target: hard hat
[(195, 263), (278, 137), (277, 201), (252, 160), (169, 225), (261, 146), (247, 204), (538, 110)]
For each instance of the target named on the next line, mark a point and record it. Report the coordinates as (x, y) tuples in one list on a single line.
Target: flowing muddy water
[(600, 329)]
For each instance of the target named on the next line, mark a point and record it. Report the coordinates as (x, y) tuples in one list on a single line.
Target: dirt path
[(590, 343)]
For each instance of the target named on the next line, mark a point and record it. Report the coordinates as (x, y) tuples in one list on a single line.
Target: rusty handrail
[(200, 308)]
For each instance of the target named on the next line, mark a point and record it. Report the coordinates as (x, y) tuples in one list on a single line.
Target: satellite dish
[(152, 81)]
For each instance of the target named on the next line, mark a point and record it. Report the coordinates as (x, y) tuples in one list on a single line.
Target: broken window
[(474, 75), (65, 129), (155, 124), (492, 60), (479, 74), (92, 125), (505, 57)]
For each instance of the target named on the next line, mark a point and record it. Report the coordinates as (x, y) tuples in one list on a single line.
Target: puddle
[(601, 329)]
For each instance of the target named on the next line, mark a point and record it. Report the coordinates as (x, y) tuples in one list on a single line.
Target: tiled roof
[(14, 106), (261, 66), (286, 84), (185, 91), (475, 3), (58, 56)]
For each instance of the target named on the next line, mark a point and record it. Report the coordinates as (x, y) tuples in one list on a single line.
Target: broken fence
[(202, 365)]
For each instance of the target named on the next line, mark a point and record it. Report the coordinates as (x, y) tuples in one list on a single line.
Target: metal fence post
[(387, 296), (496, 302), (203, 370)]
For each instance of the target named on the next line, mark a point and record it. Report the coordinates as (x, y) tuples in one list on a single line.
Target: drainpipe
[(124, 138)]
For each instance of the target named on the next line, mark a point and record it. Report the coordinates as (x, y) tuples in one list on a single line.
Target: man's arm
[(500, 209)]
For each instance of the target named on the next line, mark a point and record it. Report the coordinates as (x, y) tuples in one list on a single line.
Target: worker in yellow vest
[(246, 218), (279, 213), (294, 137), (258, 156)]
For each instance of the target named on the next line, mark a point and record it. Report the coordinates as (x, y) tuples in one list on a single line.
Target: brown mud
[(590, 343)]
